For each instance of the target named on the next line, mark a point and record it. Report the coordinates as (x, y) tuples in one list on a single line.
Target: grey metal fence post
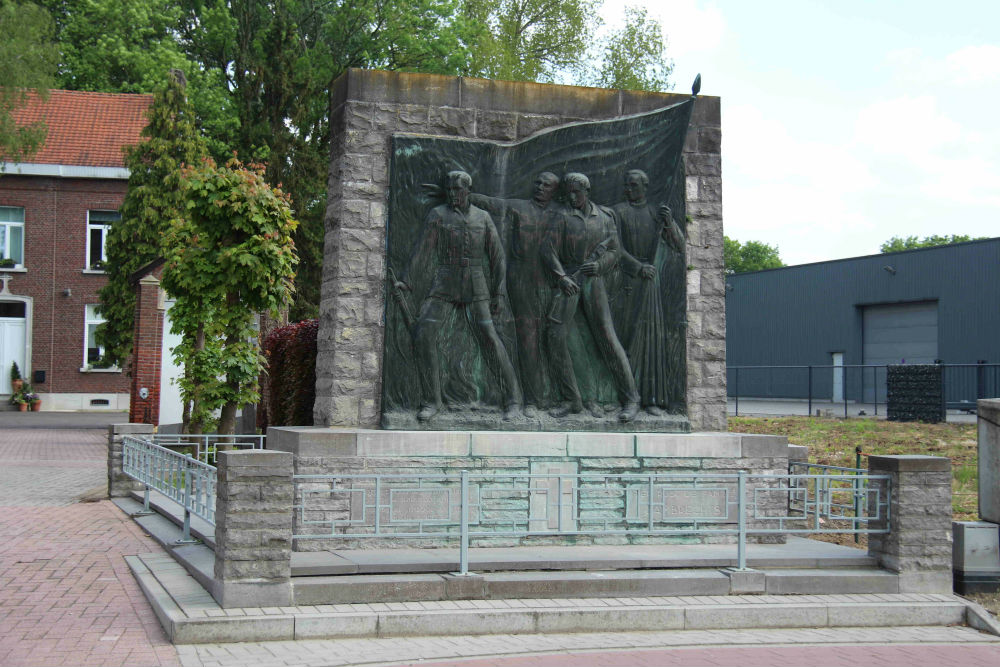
[(875, 388), (809, 390), (463, 565), (741, 546), (736, 390), (146, 458), (186, 536), (843, 383)]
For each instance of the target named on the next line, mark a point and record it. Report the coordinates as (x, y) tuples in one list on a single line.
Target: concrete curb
[(976, 616)]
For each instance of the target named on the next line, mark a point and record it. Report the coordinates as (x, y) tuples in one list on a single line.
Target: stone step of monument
[(363, 588), (189, 614), (797, 552)]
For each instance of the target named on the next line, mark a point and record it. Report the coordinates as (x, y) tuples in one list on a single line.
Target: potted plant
[(16, 381), (31, 398), (20, 401), (7, 263)]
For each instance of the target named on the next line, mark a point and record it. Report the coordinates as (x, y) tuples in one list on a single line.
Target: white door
[(170, 391), (838, 377), (11, 349)]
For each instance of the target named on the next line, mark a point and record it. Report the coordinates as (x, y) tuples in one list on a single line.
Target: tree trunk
[(197, 423), (227, 418)]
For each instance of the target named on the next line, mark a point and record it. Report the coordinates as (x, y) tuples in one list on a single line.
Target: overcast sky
[(846, 122)]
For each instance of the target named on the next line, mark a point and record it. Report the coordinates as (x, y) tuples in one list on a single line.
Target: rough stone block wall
[(989, 459), (120, 484), (367, 107), (915, 393), (253, 529), (919, 542)]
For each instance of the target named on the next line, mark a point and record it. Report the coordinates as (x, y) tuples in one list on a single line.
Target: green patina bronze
[(521, 299)]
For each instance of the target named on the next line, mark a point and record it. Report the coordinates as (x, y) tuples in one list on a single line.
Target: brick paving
[(67, 598), (66, 595)]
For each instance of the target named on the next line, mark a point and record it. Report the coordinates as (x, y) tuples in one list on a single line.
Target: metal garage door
[(897, 334)]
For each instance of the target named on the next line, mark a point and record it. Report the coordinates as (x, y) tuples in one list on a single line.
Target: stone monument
[(522, 283), (521, 257)]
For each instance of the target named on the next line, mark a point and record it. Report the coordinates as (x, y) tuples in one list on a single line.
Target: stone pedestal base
[(552, 504)]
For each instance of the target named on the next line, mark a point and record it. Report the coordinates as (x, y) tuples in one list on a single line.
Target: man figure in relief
[(581, 246), (461, 241), (527, 287)]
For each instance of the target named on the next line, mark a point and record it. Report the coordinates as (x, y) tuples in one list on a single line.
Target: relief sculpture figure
[(640, 322), (462, 245), (527, 288), (581, 246)]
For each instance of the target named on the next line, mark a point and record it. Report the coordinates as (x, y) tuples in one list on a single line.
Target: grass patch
[(832, 442)]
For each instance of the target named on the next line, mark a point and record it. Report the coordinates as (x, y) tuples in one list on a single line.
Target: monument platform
[(803, 583)]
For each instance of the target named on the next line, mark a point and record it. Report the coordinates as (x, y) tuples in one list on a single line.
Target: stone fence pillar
[(118, 483), (989, 459), (918, 545), (253, 529)]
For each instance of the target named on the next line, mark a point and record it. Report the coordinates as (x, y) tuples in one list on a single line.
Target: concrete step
[(190, 615), (197, 559), (516, 585), (797, 552)]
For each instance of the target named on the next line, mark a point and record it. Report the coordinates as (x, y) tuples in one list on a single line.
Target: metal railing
[(467, 505), (187, 477), (205, 446), (853, 389)]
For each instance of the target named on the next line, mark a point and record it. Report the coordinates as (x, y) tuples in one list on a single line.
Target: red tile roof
[(86, 129)]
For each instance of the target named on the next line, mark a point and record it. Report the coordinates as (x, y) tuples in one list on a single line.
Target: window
[(92, 352), (98, 224), (11, 237)]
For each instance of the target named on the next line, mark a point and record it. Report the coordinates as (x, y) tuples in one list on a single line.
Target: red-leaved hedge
[(291, 366)]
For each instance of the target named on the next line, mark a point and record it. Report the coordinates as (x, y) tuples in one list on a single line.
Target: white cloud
[(691, 27), (969, 66), (974, 65)]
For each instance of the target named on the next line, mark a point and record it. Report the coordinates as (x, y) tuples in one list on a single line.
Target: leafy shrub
[(291, 366)]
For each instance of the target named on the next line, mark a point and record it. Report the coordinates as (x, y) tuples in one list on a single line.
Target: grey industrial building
[(930, 305)]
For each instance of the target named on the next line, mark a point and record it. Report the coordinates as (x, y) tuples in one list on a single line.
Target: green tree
[(528, 40), (749, 256), (129, 46), (229, 255), (900, 243), (28, 61), (633, 57), (152, 200)]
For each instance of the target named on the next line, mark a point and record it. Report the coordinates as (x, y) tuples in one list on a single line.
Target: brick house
[(55, 211)]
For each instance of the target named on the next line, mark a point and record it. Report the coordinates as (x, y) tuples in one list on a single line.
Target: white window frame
[(6, 234), (88, 319), (103, 227)]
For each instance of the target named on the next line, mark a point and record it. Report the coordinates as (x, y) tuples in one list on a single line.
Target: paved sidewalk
[(850, 647), (67, 596), (75, 421)]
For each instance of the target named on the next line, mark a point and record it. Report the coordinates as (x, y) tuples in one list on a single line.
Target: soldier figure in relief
[(462, 241), (581, 246), (527, 288)]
